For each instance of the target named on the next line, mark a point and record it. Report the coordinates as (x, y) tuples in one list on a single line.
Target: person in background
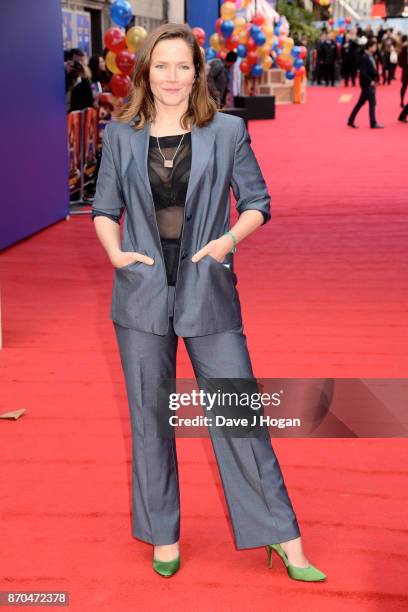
[(99, 77), (349, 60), (78, 81), (393, 60), (328, 58), (319, 56), (387, 49), (368, 80), (218, 76), (403, 63)]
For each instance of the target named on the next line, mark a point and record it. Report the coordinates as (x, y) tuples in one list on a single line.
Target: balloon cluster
[(340, 27), (121, 56), (260, 43)]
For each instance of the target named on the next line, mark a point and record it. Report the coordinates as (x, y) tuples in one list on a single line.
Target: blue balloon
[(295, 51), (227, 27), (290, 75), (276, 31), (256, 70), (275, 46), (341, 21), (339, 38), (210, 54), (242, 51), (298, 63), (260, 39), (121, 13), (255, 30)]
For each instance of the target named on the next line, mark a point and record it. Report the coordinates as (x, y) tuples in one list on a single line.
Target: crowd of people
[(330, 61), (85, 79)]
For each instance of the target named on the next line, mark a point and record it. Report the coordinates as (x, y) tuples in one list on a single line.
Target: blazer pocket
[(219, 264), (129, 265)]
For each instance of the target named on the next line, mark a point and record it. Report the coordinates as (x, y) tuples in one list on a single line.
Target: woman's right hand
[(124, 258)]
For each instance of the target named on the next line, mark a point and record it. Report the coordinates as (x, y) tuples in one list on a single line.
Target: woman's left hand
[(217, 249)]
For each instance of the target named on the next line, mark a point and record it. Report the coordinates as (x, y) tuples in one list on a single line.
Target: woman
[(100, 78), (169, 161)]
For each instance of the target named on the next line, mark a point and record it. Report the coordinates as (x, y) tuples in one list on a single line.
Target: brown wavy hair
[(201, 106)]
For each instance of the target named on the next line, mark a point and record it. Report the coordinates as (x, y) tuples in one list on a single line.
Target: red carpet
[(324, 293)]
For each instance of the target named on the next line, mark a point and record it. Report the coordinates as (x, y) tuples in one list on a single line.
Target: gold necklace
[(168, 163)]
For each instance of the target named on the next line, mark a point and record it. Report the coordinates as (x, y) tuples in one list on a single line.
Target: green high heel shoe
[(309, 573), (166, 568)]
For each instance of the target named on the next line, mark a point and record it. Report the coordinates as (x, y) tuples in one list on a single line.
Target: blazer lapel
[(202, 141)]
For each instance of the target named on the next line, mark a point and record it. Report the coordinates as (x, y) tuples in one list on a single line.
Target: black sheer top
[(169, 188)]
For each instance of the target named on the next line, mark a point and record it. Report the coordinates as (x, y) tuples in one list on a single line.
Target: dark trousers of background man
[(329, 72), (404, 113), (367, 95)]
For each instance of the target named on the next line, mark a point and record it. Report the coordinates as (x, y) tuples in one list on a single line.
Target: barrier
[(84, 130)]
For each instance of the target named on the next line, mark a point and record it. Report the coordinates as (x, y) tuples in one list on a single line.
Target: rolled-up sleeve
[(247, 182), (108, 199)]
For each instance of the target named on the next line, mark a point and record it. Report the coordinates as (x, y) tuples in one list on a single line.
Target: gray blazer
[(206, 298)]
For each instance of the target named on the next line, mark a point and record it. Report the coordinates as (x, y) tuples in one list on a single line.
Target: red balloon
[(303, 52), (199, 33), (342, 30), (258, 19), (251, 45), (115, 40), (125, 61), (252, 57), (348, 20), (120, 85), (301, 71), (222, 54), (331, 21), (232, 42), (245, 67), (218, 23), (284, 64)]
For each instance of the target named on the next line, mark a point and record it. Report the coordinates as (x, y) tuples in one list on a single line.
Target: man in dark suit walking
[(368, 79)]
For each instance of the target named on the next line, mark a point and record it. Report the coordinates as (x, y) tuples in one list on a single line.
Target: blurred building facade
[(96, 17)]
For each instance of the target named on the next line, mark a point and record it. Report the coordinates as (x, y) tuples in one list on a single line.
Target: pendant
[(168, 163)]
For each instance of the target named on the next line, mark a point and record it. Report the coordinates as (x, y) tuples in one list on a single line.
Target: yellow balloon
[(267, 62), (228, 10), (286, 57), (243, 37), (215, 41), (110, 62), (263, 50), (288, 43), (240, 24), (268, 29), (245, 3), (134, 38)]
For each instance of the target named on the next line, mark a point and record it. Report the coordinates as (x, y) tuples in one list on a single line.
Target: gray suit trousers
[(258, 502)]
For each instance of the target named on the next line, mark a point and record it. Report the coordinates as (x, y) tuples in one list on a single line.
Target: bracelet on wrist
[(234, 248)]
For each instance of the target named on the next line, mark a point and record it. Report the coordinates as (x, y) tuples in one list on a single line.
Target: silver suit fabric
[(204, 309), (206, 298)]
